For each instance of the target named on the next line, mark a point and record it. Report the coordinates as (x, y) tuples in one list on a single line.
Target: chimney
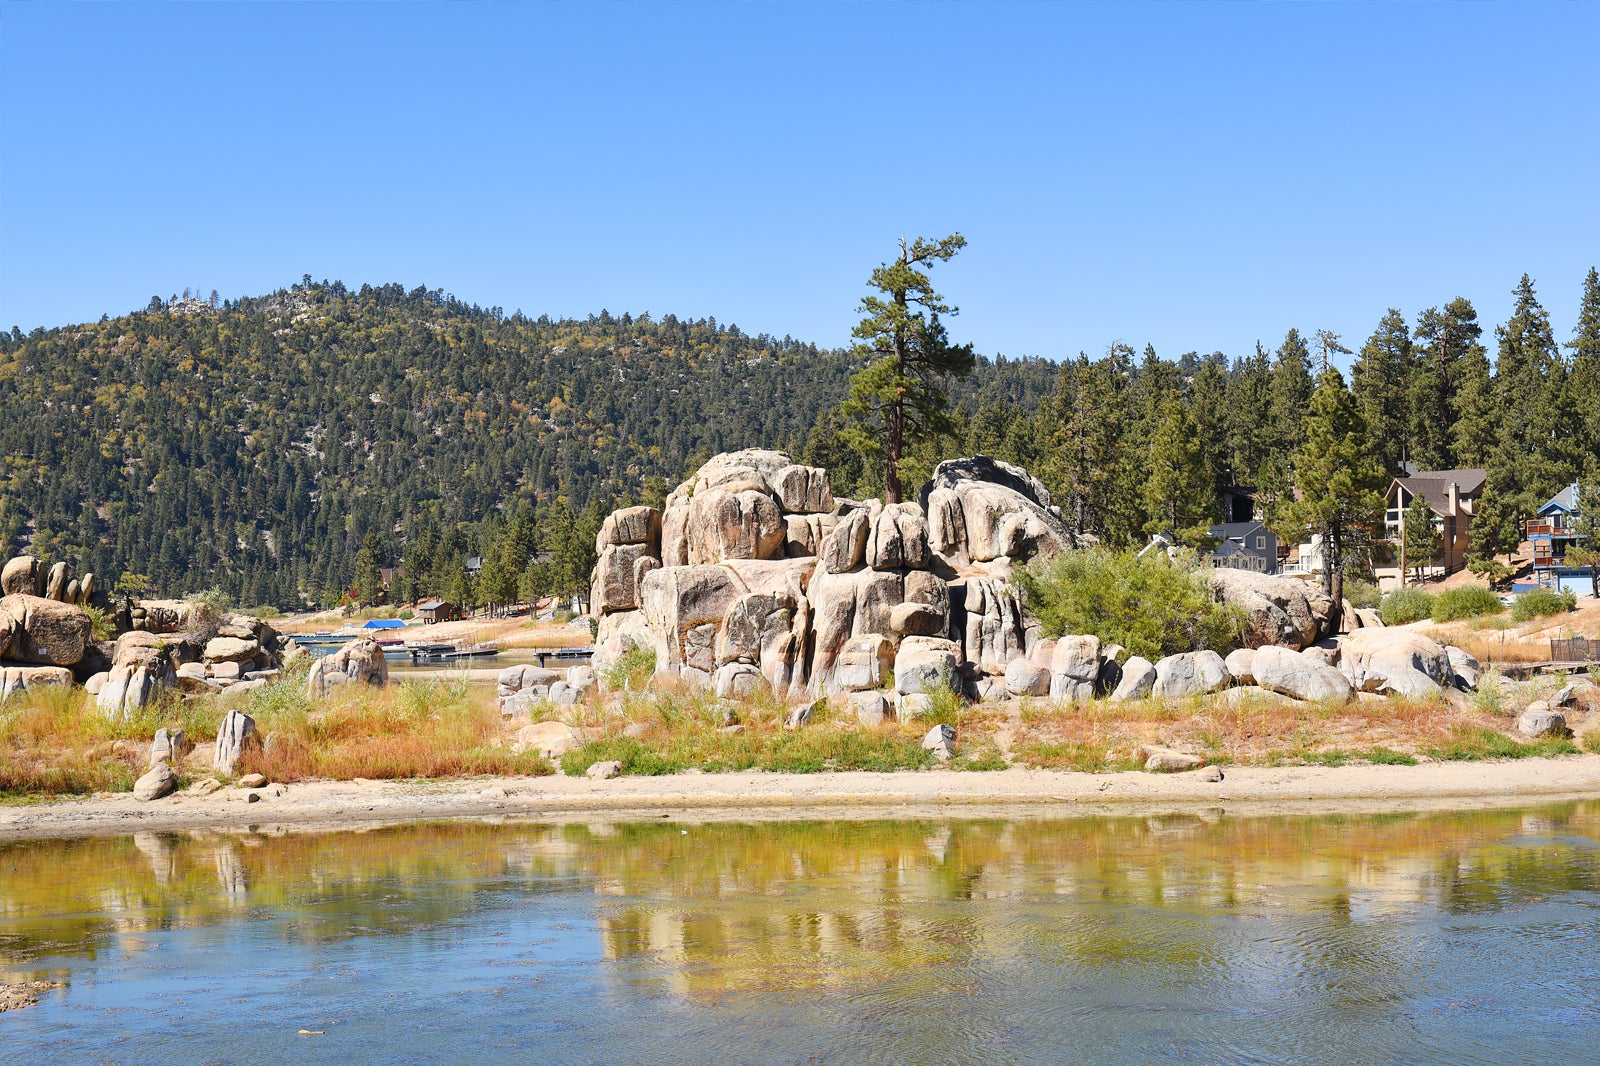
[(1453, 495)]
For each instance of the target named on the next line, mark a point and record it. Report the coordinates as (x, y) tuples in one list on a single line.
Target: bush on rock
[(1153, 607)]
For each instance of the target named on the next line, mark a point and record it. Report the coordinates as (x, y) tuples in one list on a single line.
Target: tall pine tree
[(1583, 385), (1178, 493), (1290, 392), (1530, 460), (1380, 380), (1340, 481)]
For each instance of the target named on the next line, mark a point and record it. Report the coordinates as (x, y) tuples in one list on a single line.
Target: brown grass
[(414, 729), (55, 742), (1271, 731)]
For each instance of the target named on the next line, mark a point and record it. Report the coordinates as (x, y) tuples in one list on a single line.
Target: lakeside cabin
[(440, 611), (1551, 534), (1452, 496)]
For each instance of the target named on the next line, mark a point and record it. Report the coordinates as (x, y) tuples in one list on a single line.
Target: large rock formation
[(984, 511), (142, 665), (1299, 675), (359, 662), (1395, 661), (42, 631), (754, 574), (28, 576), (1278, 610), (15, 679)]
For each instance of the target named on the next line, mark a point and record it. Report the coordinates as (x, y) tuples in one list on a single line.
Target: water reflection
[(1244, 939)]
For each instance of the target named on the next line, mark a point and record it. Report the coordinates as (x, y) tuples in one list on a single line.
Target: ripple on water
[(1415, 938)]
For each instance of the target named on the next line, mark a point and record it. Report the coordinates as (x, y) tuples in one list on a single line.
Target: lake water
[(1426, 938)]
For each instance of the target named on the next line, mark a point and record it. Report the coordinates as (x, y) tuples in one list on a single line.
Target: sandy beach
[(1262, 790)]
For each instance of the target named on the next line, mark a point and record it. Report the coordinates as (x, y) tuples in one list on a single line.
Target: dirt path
[(755, 794)]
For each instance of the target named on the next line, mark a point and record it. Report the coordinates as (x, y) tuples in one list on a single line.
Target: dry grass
[(1269, 731), (55, 742), (673, 727), (413, 729), (1496, 638)]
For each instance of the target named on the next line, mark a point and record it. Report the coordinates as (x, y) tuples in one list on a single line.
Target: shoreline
[(755, 795)]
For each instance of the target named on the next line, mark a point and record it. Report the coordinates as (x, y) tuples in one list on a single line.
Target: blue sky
[(1195, 176)]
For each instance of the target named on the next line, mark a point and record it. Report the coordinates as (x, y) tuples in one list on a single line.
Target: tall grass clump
[(1154, 606), (632, 671), (1543, 603), (1470, 743), (54, 741), (1361, 593), (1405, 605), (413, 729), (1466, 601)]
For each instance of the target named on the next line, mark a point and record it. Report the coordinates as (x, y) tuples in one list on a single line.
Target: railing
[(1574, 650), (1544, 527)]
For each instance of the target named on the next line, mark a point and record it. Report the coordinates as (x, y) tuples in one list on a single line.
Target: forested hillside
[(257, 445), (288, 447)]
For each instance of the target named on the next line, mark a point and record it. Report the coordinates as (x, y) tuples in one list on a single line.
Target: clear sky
[(1196, 176)]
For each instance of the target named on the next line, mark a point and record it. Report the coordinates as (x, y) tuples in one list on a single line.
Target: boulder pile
[(755, 578), (46, 638)]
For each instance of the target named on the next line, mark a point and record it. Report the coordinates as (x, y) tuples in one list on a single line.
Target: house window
[(1261, 543)]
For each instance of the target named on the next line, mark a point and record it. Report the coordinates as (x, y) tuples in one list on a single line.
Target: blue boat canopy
[(385, 623)]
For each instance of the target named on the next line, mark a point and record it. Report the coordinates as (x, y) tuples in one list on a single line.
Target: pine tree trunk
[(897, 410), (891, 480), (1333, 575)]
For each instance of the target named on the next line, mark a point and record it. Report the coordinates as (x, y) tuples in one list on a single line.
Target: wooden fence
[(1575, 650)]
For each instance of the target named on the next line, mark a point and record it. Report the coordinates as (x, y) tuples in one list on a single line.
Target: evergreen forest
[(287, 449)]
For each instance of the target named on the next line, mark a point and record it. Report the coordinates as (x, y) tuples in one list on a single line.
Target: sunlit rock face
[(753, 562)]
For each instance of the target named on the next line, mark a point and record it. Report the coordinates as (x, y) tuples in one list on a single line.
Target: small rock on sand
[(252, 780), (1541, 720), (1167, 761), (604, 771), (159, 781)]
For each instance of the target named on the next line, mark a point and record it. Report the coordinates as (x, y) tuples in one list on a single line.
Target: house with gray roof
[(1452, 496), (1244, 546), (1551, 533)]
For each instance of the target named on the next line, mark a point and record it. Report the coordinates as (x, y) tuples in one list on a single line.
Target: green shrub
[(1361, 593), (633, 670), (1405, 605), (986, 759), (635, 758), (1153, 606), (101, 626), (1467, 601), (1542, 603), (1388, 757)]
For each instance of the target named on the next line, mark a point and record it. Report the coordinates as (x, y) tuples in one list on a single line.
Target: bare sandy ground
[(753, 795)]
